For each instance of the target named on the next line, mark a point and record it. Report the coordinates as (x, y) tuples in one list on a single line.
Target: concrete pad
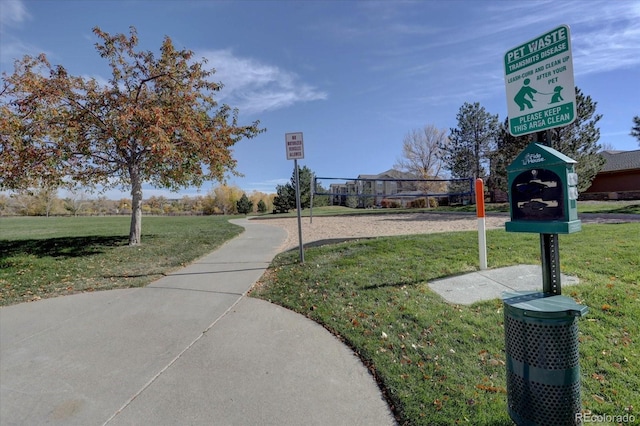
[(491, 283)]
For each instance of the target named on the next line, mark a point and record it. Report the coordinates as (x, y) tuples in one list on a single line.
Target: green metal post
[(550, 254)]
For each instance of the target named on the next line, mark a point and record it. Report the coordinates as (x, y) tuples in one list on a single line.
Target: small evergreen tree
[(262, 207), (306, 175), (286, 198), (635, 130), (466, 153), (243, 205)]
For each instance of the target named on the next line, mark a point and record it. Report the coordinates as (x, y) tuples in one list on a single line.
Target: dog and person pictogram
[(524, 97)]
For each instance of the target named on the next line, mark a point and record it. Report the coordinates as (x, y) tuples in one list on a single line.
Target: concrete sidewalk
[(187, 349)]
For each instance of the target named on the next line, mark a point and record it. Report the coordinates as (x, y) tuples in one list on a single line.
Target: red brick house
[(619, 178)]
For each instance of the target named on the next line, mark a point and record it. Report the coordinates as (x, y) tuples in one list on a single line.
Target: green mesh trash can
[(543, 370)]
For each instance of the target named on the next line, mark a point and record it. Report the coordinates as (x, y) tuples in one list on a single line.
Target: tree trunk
[(136, 209)]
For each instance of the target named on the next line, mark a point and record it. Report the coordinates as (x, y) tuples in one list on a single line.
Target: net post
[(482, 234), (313, 189)]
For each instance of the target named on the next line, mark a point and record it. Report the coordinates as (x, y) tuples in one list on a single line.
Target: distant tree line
[(228, 200)]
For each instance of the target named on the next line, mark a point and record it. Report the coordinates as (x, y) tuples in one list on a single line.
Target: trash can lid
[(543, 305)]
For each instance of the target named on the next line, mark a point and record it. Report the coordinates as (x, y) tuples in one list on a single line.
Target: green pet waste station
[(541, 328)]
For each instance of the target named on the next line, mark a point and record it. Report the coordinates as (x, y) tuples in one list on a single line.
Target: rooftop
[(620, 160)]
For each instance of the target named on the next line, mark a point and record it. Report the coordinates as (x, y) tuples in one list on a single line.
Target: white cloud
[(267, 186), (255, 87), (13, 12), (610, 44), (12, 49)]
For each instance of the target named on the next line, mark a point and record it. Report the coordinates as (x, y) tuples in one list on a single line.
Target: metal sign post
[(295, 149), (549, 247), (541, 331)]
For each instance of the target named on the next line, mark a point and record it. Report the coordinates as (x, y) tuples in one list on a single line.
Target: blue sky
[(354, 76)]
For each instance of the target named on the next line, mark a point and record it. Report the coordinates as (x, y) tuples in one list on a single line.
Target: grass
[(625, 207), (443, 364), (47, 257)]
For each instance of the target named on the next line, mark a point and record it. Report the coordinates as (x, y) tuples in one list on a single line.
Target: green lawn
[(630, 207), (46, 257), (442, 364)]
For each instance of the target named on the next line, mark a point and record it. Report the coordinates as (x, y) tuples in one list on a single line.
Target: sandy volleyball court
[(362, 226), (365, 226)]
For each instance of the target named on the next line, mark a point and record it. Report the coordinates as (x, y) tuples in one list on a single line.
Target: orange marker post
[(482, 237)]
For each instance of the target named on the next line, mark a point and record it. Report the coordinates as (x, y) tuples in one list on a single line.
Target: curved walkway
[(190, 348)]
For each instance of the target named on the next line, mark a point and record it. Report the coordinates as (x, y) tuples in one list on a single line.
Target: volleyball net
[(389, 192)]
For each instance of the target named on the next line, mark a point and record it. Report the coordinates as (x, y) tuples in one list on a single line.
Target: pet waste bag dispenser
[(543, 193)]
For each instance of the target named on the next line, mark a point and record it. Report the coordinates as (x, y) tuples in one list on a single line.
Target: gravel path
[(364, 226), (336, 228)]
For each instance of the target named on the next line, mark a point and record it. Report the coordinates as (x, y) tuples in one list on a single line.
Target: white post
[(482, 237)]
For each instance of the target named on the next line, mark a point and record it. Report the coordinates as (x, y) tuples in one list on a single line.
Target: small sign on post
[(539, 83), (295, 146), (295, 150)]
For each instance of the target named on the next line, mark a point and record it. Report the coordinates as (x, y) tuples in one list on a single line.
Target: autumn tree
[(6, 208), (226, 198), (256, 197), (421, 156), (156, 121), (157, 204), (421, 152), (75, 201)]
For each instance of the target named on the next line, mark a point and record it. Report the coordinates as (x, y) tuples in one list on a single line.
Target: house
[(619, 178), (391, 183), (338, 193), (368, 190)]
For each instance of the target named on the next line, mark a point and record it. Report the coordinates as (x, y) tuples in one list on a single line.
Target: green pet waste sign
[(539, 83)]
